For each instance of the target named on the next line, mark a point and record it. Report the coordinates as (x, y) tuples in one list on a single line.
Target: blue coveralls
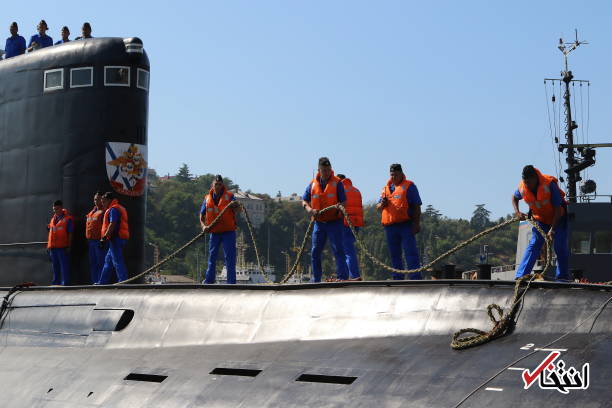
[(96, 258), (42, 42), (228, 240), (15, 45), (348, 243), (560, 242), (334, 231), (400, 236), (114, 255), (60, 262)]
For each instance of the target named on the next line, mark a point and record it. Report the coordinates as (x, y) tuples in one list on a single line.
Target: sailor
[(324, 191), (40, 40), (65, 34), (58, 243), (548, 207), (400, 205), (116, 232), (223, 232), (15, 44), (93, 233), (85, 31), (354, 208)]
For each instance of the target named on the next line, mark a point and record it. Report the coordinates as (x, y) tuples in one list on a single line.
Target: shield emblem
[(126, 167)]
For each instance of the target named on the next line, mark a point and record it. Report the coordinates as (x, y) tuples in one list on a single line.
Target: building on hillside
[(295, 197), (256, 206)]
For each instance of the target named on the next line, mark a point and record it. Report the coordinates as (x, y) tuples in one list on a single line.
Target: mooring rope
[(196, 239), (423, 268)]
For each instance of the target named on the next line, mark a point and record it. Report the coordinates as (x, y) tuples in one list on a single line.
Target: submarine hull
[(358, 344)]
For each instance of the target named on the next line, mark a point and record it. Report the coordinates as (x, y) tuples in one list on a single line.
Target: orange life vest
[(540, 205), (396, 210), (354, 206), (58, 231), (322, 198), (124, 231), (228, 220), (93, 224)]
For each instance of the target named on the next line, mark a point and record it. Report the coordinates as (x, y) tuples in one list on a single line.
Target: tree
[(183, 174), (480, 218)]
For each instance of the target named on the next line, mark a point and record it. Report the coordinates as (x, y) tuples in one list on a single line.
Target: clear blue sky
[(258, 90)]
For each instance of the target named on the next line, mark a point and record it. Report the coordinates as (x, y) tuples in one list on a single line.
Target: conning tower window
[(54, 79), (81, 77), (117, 76), (142, 80)]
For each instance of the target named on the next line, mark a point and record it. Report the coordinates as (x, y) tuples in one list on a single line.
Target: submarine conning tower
[(73, 120)]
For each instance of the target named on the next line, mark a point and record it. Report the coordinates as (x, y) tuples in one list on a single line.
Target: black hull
[(53, 146), (390, 339)]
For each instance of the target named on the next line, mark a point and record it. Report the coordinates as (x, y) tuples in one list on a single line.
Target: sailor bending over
[(548, 207)]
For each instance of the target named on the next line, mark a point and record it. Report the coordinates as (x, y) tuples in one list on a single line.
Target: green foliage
[(173, 219)]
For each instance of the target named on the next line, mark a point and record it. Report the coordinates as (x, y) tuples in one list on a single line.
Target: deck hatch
[(242, 372), (145, 377), (327, 379)]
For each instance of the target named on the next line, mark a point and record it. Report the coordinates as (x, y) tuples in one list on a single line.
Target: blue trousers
[(348, 243), (560, 244), (114, 259), (228, 240), (400, 236), (60, 263), (96, 259), (320, 233)]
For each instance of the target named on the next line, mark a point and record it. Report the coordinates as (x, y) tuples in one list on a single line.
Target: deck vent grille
[(243, 372), (327, 379), (145, 377)]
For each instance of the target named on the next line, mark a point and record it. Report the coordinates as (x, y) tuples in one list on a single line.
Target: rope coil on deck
[(503, 324)]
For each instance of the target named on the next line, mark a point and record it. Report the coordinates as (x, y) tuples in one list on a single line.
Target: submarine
[(73, 121)]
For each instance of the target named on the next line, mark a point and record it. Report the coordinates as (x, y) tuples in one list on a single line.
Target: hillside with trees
[(172, 219)]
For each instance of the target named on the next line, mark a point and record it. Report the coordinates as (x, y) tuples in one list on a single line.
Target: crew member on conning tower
[(40, 40), (548, 207), (15, 44), (324, 191), (354, 209), (58, 243), (223, 232), (400, 205)]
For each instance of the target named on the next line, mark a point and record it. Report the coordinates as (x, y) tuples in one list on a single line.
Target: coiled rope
[(503, 324)]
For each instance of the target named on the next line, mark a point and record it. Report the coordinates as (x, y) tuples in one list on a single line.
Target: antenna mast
[(573, 167)]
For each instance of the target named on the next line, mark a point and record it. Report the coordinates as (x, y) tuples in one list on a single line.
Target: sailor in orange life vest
[(224, 232), (115, 231), (58, 243), (93, 233), (548, 207), (354, 208), (323, 191), (400, 205)]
